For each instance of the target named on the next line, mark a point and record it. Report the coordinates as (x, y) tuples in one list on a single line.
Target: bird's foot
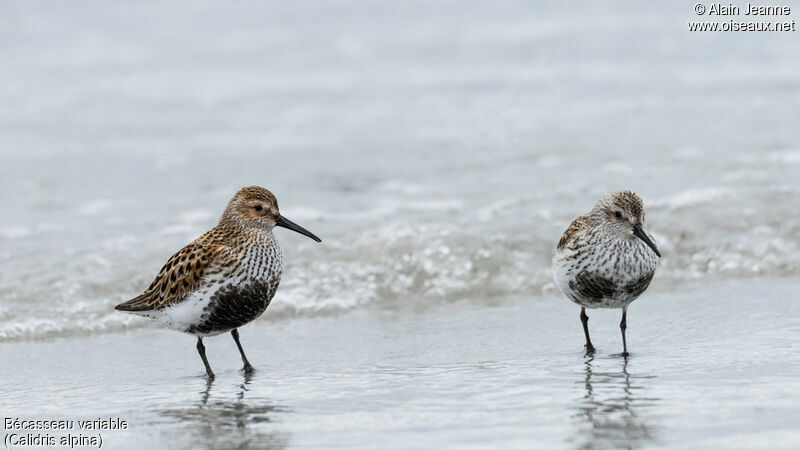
[(589, 349), (210, 375), (248, 369)]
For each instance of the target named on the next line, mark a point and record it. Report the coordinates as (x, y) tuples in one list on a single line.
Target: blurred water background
[(438, 148)]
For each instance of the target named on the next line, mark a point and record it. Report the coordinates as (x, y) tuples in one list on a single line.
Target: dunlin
[(225, 278), (606, 258)]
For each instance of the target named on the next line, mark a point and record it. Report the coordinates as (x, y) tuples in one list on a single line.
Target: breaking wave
[(400, 258)]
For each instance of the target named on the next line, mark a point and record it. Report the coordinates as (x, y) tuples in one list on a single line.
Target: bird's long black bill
[(286, 223), (639, 232)]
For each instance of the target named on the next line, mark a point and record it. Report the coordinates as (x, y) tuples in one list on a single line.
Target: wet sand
[(712, 366)]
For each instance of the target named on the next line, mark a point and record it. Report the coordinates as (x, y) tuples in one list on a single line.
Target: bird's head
[(257, 207), (622, 213)]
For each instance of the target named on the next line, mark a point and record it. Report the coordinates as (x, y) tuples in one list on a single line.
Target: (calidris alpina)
[(225, 278), (606, 258)]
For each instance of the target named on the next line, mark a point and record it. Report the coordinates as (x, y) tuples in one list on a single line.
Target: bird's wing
[(180, 276), (575, 229)]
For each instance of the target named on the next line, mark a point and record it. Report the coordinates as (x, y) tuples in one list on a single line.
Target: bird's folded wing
[(574, 230), (181, 275)]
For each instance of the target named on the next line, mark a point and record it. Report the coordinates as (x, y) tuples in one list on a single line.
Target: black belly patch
[(233, 306), (636, 288), (594, 288)]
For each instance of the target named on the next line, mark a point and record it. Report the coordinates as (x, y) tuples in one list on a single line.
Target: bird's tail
[(141, 304)]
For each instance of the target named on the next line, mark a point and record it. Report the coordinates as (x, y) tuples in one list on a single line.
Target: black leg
[(202, 350), (585, 322), (247, 367), (622, 326)]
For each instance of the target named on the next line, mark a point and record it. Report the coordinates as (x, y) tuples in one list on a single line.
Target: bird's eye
[(618, 214), (258, 207)]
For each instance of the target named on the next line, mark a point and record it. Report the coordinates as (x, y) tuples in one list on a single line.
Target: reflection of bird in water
[(608, 413), (241, 422)]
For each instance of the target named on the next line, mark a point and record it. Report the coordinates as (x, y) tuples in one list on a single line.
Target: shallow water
[(439, 150), (723, 373), (436, 165)]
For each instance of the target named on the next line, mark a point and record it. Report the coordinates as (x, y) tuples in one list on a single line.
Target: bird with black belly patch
[(606, 258), (226, 278)]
